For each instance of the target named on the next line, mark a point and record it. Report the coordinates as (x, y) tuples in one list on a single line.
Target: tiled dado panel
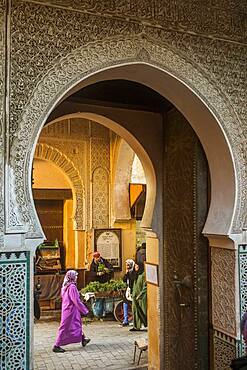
[(225, 347), (242, 268), (225, 350), (14, 311)]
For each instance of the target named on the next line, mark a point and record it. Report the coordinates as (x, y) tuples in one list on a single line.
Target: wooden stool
[(142, 345)]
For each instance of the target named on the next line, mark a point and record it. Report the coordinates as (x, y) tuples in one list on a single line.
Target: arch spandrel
[(95, 57)]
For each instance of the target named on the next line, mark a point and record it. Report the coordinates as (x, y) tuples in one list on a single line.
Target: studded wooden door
[(186, 250)]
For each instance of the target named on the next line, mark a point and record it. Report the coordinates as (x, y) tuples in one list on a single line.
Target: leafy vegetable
[(109, 286), (101, 267)]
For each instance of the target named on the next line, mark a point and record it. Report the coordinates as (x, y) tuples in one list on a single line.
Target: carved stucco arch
[(49, 153), (88, 60)]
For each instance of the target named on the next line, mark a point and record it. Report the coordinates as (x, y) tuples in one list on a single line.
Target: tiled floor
[(111, 347)]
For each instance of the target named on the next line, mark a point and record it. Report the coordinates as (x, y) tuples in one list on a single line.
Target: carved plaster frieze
[(100, 198), (100, 153), (31, 54), (40, 36), (47, 152), (40, 42), (99, 131), (223, 290), (225, 66), (94, 57), (223, 62), (2, 118), (219, 18), (100, 169)]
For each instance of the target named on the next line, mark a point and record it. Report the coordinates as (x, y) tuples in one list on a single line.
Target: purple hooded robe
[(70, 329), (243, 326)]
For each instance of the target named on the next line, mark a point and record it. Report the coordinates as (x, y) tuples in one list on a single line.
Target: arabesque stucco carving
[(2, 118), (49, 41), (223, 290), (227, 21), (94, 57), (55, 44), (80, 148)]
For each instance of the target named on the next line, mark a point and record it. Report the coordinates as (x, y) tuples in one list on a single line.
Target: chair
[(142, 345)]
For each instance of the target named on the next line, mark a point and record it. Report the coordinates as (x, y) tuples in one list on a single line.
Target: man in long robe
[(70, 329), (139, 299)]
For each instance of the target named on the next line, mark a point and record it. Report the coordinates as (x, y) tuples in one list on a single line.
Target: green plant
[(109, 286), (101, 267)]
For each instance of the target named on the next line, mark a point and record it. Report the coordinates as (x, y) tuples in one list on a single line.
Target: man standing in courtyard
[(100, 268), (101, 271)]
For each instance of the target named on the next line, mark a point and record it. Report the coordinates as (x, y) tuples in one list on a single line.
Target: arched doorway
[(181, 157), (167, 65), (81, 147)]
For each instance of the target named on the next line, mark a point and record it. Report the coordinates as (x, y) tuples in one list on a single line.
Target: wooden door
[(50, 214), (186, 250)]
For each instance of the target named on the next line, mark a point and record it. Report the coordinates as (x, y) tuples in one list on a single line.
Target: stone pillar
[(153, 295), (69, 234), (15, 306), (80, 249)]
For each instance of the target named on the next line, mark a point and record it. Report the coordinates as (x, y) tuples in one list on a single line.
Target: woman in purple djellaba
[(70, 329), (243, 327)]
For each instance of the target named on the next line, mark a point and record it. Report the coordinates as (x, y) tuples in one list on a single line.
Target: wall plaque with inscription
[(109, 243)]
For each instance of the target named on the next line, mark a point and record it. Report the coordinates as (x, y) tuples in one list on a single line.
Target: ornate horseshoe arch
[(88, 60), (137, 148), (47, 152)]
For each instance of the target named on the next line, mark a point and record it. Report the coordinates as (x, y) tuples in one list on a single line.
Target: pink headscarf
[(70, 278)]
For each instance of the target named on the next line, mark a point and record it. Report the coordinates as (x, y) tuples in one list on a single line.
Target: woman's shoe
[(58, 349), (125, 324), (85, 342), (134, 329)]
